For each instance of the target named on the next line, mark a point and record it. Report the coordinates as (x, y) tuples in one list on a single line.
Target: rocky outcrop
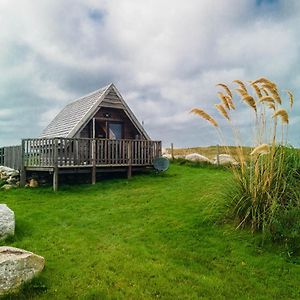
[(7, 221), (10, 177), (16, 267)]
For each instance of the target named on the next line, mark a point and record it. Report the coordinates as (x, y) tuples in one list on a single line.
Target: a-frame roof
[(71, 119)]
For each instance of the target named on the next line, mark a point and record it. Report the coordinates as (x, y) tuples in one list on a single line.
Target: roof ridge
[(90, 94)]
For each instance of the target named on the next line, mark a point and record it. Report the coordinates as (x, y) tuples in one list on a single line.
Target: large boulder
[(179, 156), (225, 159), (16, 267), (197, 157), (7, 221), (167, 155)]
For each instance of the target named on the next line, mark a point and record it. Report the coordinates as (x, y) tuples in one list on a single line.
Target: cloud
[(164, 56)]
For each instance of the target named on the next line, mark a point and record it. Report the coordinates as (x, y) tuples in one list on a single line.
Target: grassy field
[(211, 151), (153, 237)]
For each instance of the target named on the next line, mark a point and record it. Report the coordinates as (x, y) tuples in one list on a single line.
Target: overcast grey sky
[(164, 56)]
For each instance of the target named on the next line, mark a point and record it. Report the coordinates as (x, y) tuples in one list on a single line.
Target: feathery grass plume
[(250, 101), (257, 90), (291, 96), (267, 99), (283, 115), (201, 113), (261, 149), (223, 98), (265, 91), (226, 88), (262, 80), (230, 102), (222, 111), (242, 92), (241, 84), (272, 88), (271, 106)]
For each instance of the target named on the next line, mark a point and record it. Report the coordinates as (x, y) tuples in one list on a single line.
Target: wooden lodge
[(95, 133)]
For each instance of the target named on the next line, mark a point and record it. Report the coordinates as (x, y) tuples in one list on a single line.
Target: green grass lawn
[(152, 237)]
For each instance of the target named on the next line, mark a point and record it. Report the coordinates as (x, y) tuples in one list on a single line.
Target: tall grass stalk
[(268, 182)]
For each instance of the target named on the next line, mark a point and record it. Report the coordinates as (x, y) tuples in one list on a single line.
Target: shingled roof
[(74, 115)]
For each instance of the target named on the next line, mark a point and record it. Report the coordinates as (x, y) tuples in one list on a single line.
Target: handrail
[(79, 152)]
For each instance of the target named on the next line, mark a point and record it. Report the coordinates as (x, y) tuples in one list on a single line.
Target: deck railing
[(11, 157), (79, 152)]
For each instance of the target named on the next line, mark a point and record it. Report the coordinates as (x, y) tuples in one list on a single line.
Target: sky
[(164, 56)]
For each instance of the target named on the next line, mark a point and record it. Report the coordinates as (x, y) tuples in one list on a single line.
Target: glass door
[(115, 131)]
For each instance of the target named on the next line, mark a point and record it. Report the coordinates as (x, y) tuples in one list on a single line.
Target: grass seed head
[(291, 96), (267, 99), (241, 84), (201, 113), (262, 80), (224, 100), (250, 101), (226, 88), (257, 90), (222, 111), (242, 92), (230, 102), (261, 149), (282, 113), (271, 106)]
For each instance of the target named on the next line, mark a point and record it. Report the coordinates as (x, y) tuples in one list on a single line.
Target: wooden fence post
[(129, 160), (22, 170), (55, 167), (172, 150)]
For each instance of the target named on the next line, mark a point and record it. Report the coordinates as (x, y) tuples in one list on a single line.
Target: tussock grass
[(266, 183)]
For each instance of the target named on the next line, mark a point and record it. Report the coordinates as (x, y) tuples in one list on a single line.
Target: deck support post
[(55, 169), (55, 179), (22, 170), (129, 158), (94, 161)]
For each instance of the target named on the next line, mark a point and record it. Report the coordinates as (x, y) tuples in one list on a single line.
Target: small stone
[(7, 187), (33, 183)]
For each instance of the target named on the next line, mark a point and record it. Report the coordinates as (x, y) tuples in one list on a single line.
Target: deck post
[(129, 159), (55, 167), (22, 170), (94, 161)]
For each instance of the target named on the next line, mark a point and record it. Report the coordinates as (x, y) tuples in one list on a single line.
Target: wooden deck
[(59, 155)]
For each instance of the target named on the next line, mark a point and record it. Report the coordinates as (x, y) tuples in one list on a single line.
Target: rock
[(225, 159), (12, 180), (179, 156), (164, 151), (7, 187), (16, 267), (7, 221), (33, 183), (197, 157)]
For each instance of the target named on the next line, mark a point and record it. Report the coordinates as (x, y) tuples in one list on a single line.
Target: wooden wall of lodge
[(115, 115)]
